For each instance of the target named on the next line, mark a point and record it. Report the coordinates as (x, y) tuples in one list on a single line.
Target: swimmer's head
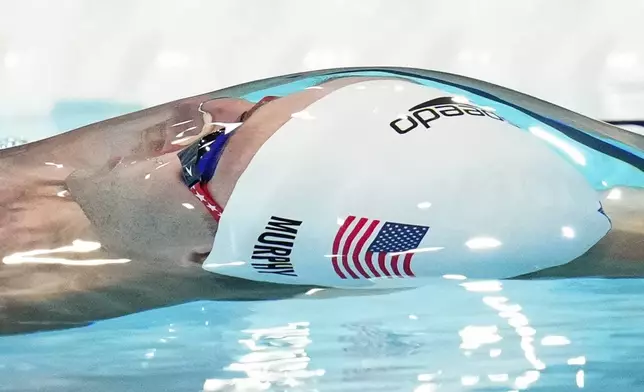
[(327, 169), (400, 171), (138, 205)]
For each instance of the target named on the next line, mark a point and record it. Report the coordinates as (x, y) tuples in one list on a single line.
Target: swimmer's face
[(142, 209)]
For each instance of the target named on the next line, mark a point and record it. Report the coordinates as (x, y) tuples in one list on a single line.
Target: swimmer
[(205, 197)]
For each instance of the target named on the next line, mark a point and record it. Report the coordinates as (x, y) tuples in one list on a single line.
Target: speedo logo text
[(424, 114)]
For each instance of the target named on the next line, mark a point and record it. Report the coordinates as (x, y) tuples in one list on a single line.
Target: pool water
[(454, 334)]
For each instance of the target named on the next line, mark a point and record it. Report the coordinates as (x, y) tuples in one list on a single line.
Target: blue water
[(451, 335)]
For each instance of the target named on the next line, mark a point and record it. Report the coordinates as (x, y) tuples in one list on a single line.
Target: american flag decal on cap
[(386, 255)]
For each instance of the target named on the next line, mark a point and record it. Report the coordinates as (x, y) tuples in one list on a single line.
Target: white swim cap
[(383, 183)]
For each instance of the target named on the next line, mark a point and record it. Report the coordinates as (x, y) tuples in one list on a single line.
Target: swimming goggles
[(199, 161)]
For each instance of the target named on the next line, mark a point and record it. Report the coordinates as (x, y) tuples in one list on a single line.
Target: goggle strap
[(202, 193)]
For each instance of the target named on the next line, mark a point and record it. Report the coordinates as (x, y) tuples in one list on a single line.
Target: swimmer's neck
[(625, 207), (620, 253), (624, 243)]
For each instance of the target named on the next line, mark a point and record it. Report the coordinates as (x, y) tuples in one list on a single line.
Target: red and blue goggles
[(199, 161)]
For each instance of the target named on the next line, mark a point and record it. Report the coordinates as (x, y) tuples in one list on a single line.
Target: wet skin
[(117, 183), (90, 184)]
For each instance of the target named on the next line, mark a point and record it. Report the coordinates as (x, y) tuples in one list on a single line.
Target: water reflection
[(576, 155), (579, 378), (475, 337), (568, 232), (614, 194), (277, 358), (577, 361), (36, 256), (483, 243), (520, 323), (469, 380), (555, 341), (498, 377)]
